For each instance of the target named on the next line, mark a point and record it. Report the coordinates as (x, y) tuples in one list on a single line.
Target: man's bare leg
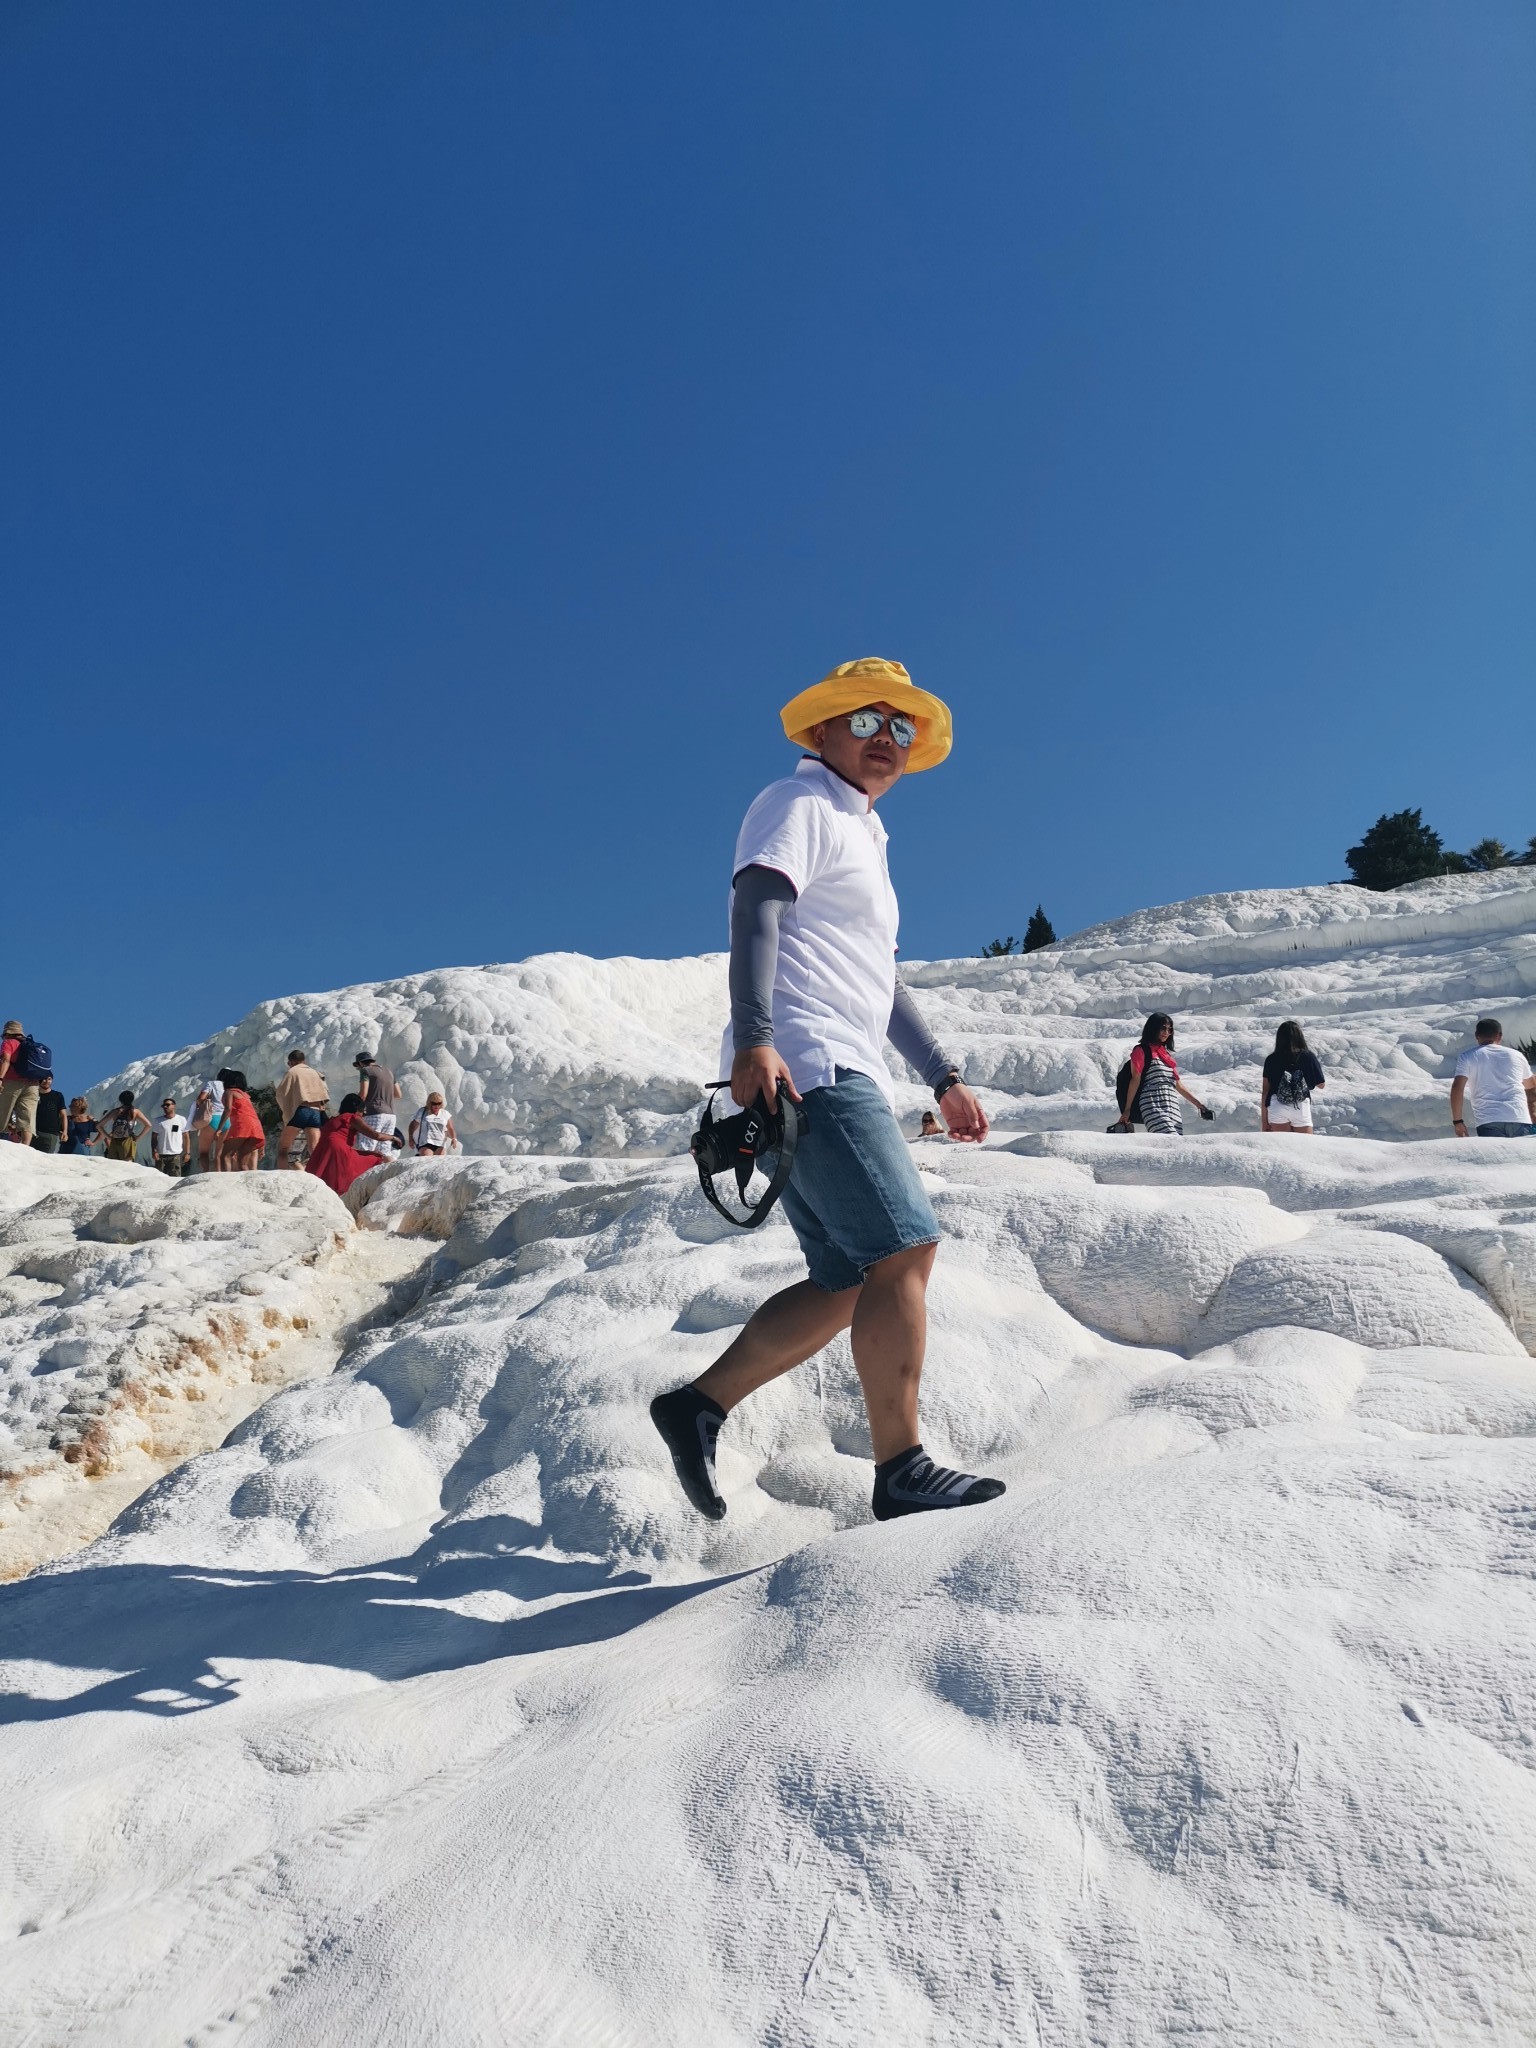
[(890, 1329), (295, 1146), (890, 1334), (789, 1328), (889, 1315), (889, 1320)]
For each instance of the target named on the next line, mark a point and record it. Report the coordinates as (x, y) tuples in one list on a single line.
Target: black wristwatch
[(946, 1084)]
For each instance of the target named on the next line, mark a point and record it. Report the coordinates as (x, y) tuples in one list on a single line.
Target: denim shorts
[(307, 1117), (1506, 1130), (854, 1197)]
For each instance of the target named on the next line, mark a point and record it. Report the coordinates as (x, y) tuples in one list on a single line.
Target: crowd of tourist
[(224, 1133)]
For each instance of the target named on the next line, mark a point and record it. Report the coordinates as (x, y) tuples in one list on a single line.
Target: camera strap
[(735, 1144)]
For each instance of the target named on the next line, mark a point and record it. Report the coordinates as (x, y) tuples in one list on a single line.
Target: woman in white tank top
[(432, 1131)]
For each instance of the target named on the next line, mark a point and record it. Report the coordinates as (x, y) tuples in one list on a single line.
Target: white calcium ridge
[(425, 1709), (573, 1056), (141, 1317)]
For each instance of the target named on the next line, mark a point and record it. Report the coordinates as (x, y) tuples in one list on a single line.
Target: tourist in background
[(1155, 1085), (165, 1139), (1291, 1073), (49, 1135), (431, 1129), (244, 1137), (123, 1127), (380, 1092), (336, 1159), (19, 1084), (204, 1129), (930, 1127), (83, 1127), (304, 1101), (1501, 1085)]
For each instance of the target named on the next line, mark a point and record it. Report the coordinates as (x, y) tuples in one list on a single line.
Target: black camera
[(735, 1145)]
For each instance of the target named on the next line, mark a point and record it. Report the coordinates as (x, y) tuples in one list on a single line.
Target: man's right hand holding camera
[(756, 1071)]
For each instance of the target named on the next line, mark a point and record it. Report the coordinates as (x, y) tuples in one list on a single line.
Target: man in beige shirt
[(304, 1100)]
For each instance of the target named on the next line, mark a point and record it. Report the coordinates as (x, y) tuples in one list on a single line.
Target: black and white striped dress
[(1157, 1104)]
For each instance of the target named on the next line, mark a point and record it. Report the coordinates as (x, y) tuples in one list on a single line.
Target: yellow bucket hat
[(854, 684)]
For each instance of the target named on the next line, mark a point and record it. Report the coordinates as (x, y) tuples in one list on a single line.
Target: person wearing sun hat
[(851, 688), (815, 996), (19, 1090)]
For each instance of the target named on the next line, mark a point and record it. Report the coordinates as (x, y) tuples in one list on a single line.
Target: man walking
[(1502, 1086), (380, 1091), (814, 995), (304, 1100)]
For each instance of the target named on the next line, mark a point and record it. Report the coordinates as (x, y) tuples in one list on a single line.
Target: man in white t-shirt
[(165, 1139), (814, 997), (1502, 1087)]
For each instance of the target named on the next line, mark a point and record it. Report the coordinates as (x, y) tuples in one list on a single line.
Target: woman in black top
[(123, 1128), (1290, 1074)]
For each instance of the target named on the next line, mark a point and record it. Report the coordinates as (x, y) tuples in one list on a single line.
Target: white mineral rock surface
[(141, 1317), (423, 1710), (568, 1055)]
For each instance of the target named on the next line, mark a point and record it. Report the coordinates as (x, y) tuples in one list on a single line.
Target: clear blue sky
[(437, 439)]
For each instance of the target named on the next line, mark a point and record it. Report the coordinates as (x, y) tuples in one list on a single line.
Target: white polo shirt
[(836, 978)]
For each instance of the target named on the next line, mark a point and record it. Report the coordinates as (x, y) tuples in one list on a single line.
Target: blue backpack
[(33, 1062)]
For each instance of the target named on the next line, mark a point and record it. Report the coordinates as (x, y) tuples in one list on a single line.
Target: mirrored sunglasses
[(865, 724)]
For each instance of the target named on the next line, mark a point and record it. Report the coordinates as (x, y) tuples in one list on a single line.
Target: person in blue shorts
[(304, 1103), (1501, 1086), (814, 997)]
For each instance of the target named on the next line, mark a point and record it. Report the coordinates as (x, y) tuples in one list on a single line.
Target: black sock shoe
[(689, 1422), (911, 1484)]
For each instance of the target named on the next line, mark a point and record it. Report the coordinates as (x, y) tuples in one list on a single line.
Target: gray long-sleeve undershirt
[(758, 903)]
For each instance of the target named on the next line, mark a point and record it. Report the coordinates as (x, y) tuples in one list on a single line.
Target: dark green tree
[(1490, 853), (1039, 932), (998, 949), (1398, 848), (264, 1102)]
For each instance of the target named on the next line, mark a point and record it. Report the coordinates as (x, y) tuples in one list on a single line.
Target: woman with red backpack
[(1152, 1098)]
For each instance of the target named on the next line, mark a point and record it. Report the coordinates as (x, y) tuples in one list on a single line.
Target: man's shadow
[(160, 1628)]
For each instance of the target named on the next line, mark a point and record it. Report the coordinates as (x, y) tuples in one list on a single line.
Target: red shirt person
[(335, 1159), (244, 1137)]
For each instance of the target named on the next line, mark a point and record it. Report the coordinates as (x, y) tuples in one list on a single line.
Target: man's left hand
[(965, 1116)]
